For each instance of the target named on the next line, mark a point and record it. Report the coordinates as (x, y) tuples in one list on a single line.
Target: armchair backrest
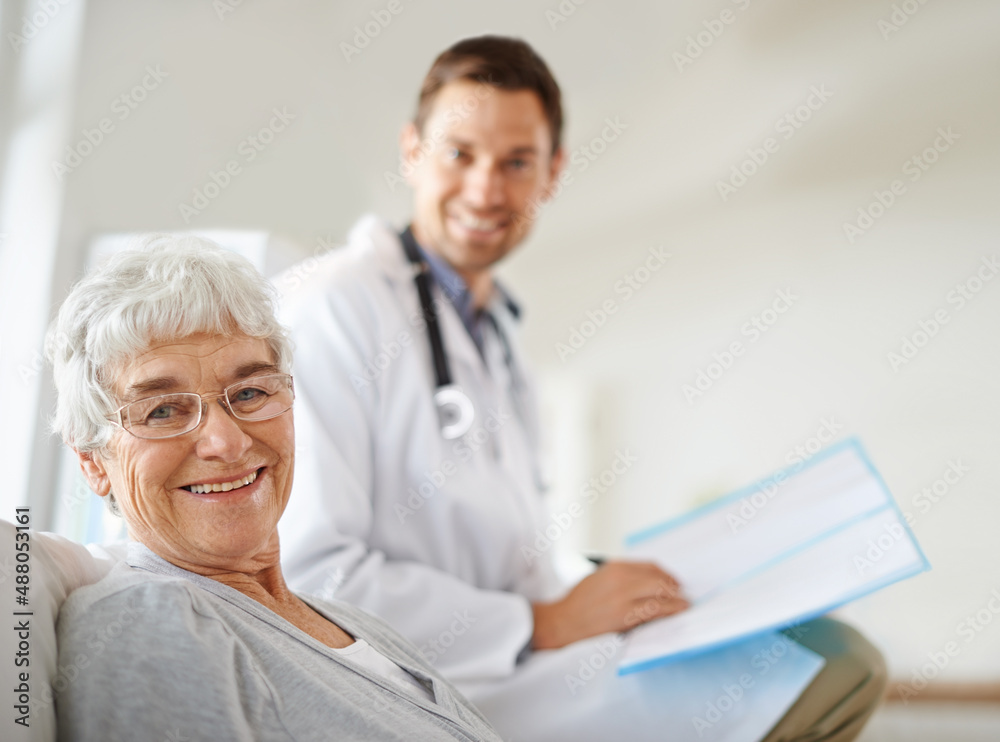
[(34, 581)]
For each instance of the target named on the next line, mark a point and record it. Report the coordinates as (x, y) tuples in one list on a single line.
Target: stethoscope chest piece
[(455, 411)]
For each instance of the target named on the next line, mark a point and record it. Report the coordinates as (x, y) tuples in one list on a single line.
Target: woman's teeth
[(203, 489)]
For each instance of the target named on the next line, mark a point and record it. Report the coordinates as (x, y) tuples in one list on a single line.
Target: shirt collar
[(451, 283), (457, 291)]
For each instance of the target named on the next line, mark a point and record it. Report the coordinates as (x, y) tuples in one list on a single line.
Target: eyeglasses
[(170, 415)]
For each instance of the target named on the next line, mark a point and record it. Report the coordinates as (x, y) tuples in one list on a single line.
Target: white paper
[(735, 694), (784, 550)]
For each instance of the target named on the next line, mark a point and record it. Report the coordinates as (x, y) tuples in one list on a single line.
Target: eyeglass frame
[(120, 422)]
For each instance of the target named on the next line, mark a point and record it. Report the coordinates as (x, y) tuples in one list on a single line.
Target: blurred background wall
[(843, 156)]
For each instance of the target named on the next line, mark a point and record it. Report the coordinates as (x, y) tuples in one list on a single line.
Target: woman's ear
[(93, 468)]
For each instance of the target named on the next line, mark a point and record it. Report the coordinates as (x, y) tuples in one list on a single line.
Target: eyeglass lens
[(259, 398)]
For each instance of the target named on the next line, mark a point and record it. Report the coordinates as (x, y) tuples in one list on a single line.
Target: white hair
[(166, 287)]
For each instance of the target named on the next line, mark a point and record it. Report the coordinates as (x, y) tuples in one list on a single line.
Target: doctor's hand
[(617, 597)]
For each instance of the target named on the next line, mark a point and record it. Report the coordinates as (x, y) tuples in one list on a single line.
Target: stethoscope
[(455, 410)]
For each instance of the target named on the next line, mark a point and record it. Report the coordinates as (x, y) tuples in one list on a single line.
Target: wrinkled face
[(479, 171), (152, 480)]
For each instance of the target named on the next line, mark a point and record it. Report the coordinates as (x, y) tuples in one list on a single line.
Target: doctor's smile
[(472, 193), (479, 227)]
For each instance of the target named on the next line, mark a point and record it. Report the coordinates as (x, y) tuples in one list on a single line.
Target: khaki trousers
[(838, 702)]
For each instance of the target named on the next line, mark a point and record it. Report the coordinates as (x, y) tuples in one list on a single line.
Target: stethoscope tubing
[(456, 412)]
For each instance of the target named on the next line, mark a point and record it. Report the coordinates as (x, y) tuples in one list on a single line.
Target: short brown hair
[(500, 61)]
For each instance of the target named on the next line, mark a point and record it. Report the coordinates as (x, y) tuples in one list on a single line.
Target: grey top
[(154, 652)]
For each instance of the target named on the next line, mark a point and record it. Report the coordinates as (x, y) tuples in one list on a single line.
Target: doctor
[(417, 492)]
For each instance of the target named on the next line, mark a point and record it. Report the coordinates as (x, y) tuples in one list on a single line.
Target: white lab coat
[(428, 533)]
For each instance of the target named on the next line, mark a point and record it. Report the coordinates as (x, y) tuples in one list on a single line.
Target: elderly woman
[(173, 389)]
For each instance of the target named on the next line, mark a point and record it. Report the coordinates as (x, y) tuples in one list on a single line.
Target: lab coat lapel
[(458, 344), (388, 249)]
